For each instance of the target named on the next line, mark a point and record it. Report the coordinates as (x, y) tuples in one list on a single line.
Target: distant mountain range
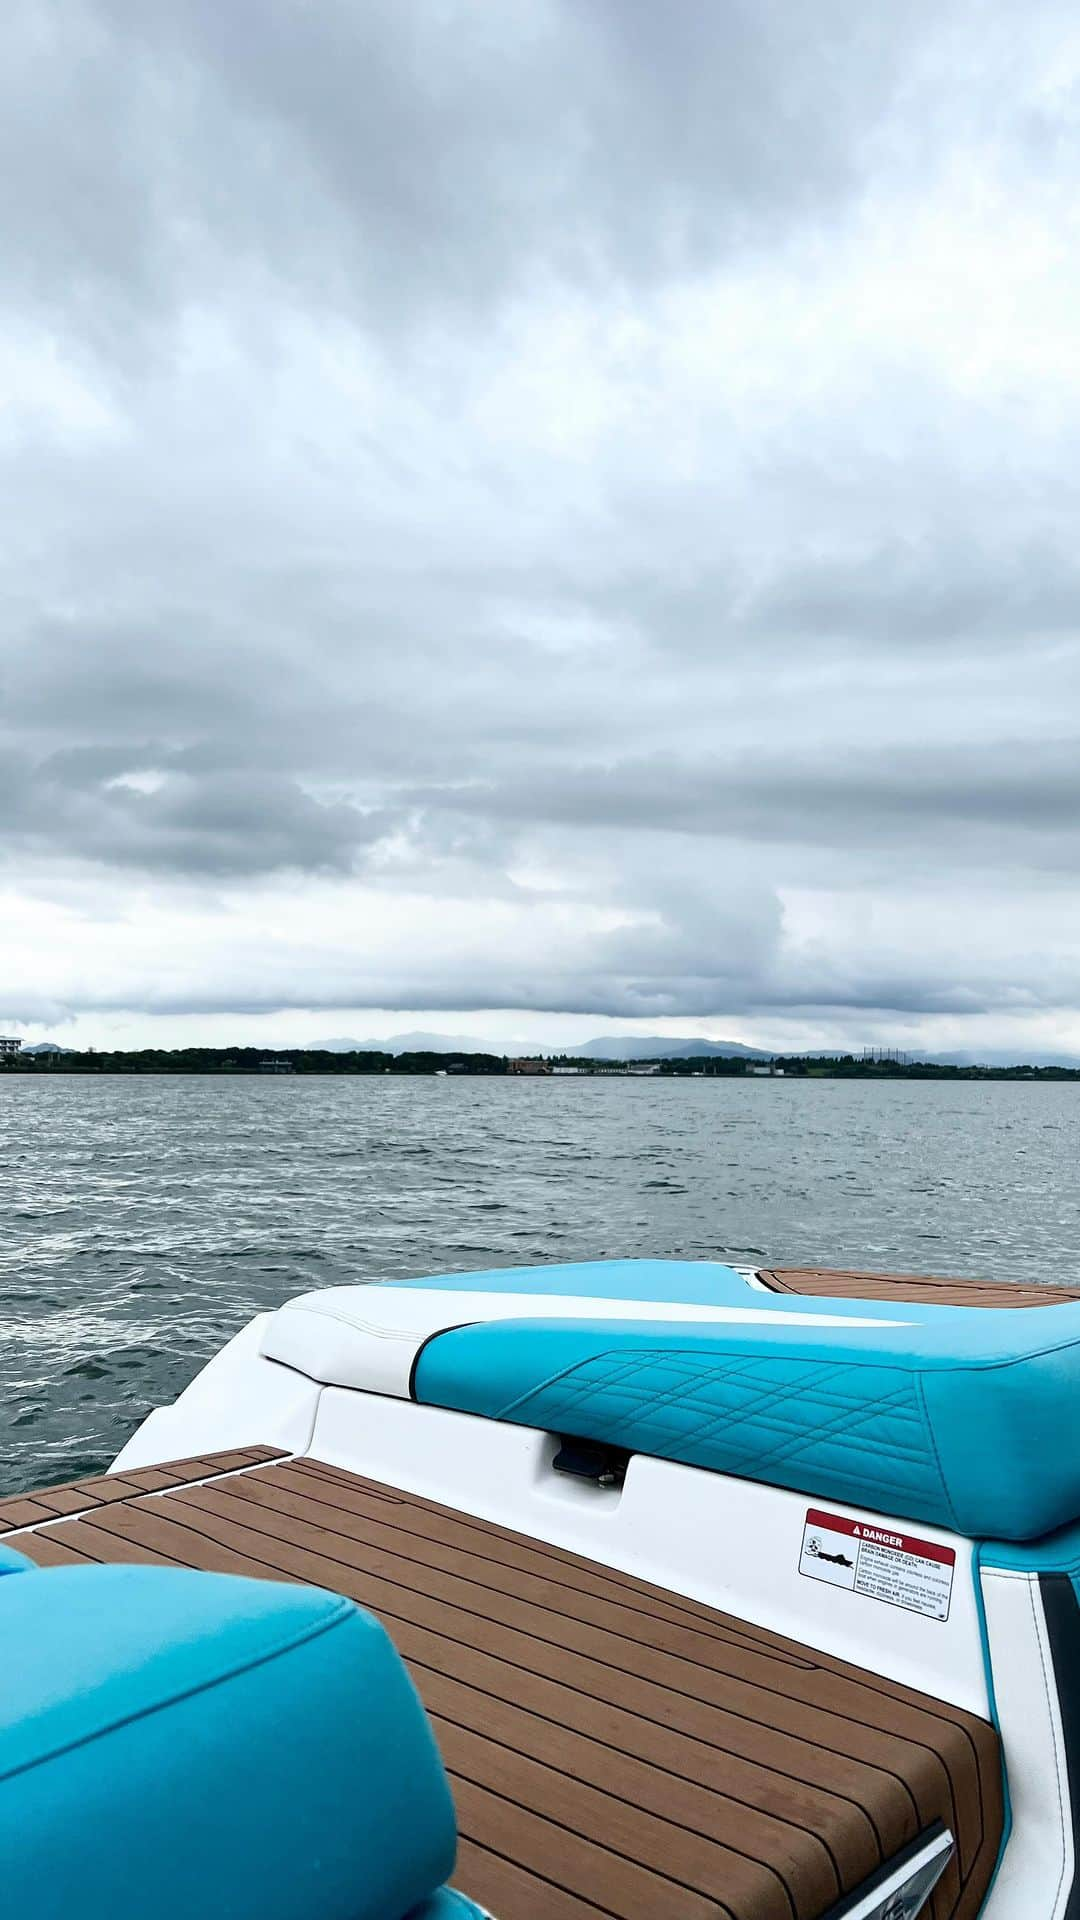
[(409, 1043), (619, 1047), (998, 1057), (658, 1046)]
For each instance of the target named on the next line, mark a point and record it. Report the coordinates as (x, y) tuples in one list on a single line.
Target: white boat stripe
[(368, 1337)]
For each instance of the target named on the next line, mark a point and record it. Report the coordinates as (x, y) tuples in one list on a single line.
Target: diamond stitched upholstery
[(777, 1420), (962, 1417)]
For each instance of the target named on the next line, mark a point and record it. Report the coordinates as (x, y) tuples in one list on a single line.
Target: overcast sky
[(535, 519)]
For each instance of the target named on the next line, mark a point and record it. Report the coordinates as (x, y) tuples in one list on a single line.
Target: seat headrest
[(183, 1743)]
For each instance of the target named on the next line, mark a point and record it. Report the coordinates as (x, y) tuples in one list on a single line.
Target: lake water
[(144, 1219)]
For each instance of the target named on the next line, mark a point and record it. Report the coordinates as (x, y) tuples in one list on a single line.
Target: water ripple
[(146, 1219)]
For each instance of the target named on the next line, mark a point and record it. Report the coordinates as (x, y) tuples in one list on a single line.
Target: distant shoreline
[(293, 1061)]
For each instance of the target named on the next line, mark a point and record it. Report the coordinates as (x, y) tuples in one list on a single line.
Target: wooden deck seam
[(315, 1471), (780, 1772), (91, 1489), (806, 1666), (655, 1764), (146, 1501)]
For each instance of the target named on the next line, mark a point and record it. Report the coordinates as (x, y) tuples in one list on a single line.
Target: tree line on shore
[(298, 1060)]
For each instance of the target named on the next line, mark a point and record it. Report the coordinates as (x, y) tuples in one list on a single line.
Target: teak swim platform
[(734, 1592)]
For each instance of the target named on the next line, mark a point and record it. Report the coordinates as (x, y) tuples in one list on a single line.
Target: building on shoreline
[(9, 1046)]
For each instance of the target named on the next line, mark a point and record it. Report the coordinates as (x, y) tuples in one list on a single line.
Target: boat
[(616, 1589)]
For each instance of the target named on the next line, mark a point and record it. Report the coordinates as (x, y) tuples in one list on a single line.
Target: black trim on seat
[(1062, 1615), (424, 1344)]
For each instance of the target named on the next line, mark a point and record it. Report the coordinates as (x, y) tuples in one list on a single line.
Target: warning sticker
[(895, 1567)]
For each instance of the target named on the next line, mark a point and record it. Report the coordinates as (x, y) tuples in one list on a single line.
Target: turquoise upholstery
[(183, 1744), (1055, 1553), (449, 1904), (963, 1417), (12, 1562)]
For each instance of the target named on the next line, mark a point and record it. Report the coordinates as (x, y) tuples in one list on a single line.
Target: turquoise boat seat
[(449, 1904), (184, 1744), (963, 1417)]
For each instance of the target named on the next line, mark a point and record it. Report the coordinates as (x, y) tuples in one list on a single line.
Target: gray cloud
[(563, 507), (95, 805), (431, 156), (997, 805)]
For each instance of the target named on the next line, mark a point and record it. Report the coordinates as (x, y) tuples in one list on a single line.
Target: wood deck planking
[(586, 1867), (339, 1507), (96, 1542), (56, 1553), (929, 1289), (652, 1815), (701, 1655), (614, 1750), (777, 1750), (494, 1539), (604, 1651), (512, 1893), (653, 1628), (513, 1549), (79, 1496), (392, 1602), (735, 1786), (231, 1562)]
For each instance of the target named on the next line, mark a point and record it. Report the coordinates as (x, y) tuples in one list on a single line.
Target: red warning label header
[(881, 1536)]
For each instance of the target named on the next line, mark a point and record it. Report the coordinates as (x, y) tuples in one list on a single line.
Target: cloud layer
[(562, 508)]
